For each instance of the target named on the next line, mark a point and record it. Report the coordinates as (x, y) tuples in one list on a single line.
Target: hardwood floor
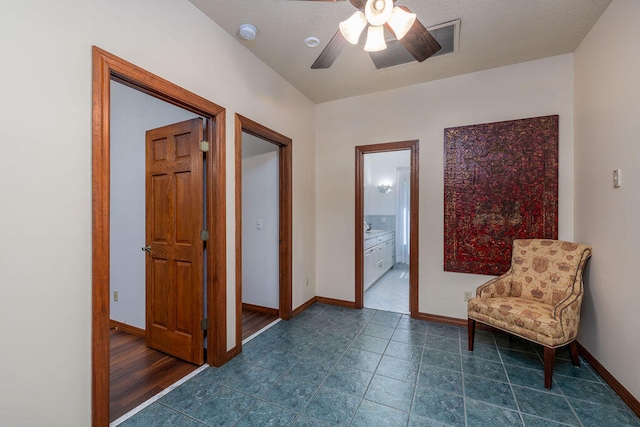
[(253, 321), (138, 373)]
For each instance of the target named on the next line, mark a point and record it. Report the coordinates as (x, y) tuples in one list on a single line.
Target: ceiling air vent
[(447, 34)]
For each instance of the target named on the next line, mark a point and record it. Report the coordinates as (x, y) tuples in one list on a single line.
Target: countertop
[(375, 233)]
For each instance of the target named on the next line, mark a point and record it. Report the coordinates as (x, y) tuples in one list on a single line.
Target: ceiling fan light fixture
[(401, 22), (375, 39), (378, 11), (352, 27)]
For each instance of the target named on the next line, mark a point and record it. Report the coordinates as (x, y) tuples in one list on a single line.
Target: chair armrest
[(574, 300), (570, 303), (498, 287)]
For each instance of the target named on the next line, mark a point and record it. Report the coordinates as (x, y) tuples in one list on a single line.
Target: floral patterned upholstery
[(539, 298)]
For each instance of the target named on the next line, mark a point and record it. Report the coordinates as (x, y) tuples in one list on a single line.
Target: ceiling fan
[(378, 15)]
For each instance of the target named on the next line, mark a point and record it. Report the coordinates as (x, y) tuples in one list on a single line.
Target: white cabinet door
[(380, 265), (369, 267)]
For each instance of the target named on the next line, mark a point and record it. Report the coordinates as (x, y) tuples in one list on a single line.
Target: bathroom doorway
[(386, 227)]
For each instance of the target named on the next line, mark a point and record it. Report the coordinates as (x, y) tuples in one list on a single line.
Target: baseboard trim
[(303, 307), (442, 319), (615, 385), (338, 302), (454, 321), (133, 330), (261, 309)]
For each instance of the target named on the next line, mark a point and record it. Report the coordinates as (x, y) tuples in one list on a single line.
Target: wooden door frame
[(413, 146), (243, 124), (107, 67)]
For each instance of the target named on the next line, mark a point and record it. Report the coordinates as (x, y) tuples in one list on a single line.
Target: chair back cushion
[(547, 271)]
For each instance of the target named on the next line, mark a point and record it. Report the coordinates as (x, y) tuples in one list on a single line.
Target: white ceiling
[(493, 33)]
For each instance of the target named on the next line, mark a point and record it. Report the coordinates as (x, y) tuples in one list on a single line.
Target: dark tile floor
[(332, 366)]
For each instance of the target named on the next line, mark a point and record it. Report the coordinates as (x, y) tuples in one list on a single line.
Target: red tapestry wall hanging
[(500, 184)]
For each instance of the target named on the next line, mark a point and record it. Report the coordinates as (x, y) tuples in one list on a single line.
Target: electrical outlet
[(115, 296), (468, 295)]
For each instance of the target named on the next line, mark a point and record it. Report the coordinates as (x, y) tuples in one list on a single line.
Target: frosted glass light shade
[(352, 27), (378, 11), (401, 21), (375, 39)]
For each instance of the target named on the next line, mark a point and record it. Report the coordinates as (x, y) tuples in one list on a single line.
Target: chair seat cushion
[(529, 319)]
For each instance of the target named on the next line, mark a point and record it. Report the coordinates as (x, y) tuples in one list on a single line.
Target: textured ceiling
[(493, 33)]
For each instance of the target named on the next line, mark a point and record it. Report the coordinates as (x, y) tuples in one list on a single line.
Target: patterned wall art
[(500, 184)]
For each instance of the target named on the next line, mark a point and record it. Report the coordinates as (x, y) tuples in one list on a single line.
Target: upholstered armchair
[(538, 299)]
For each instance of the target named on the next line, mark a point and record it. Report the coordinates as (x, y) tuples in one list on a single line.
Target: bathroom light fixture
[(384, 188), (377, 13)]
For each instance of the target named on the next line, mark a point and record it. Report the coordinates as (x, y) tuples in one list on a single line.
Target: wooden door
[(174, 219)]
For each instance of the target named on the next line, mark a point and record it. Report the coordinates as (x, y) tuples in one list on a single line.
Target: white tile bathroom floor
[(391, 291)]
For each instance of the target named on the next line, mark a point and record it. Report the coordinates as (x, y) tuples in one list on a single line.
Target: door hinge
[(204, 146), (204, 324), (204, 235)]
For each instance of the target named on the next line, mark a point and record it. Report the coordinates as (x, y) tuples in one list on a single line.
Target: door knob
[(147, 249)]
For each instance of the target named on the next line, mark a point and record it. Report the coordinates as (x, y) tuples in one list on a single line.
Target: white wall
[(260, 201), (45, 171), (607, 107), (380, 168), (423, 112), (132, 114)]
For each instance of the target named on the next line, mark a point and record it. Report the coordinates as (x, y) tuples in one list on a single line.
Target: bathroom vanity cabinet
[(379, 255)]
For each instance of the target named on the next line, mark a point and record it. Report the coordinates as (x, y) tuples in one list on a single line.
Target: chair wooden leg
[(574, 353), (549, 356), (471, 329)]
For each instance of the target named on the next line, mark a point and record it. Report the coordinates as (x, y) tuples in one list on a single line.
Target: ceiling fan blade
[(358, 4), (418, 41), (328, 56)]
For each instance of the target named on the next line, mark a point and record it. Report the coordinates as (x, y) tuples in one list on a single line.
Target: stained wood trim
[(615, 385), (413, 146), (238, 226), (261, 309), (444, 320), (130, 329), (304, 306), (216, 223), (244, 124), (107, 67), (463, 323), (338, 302), (233, 352)]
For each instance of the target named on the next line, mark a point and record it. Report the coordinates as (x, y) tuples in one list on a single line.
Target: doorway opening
[(108, 68), (386, 225), (155, 336), (265, 226)]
